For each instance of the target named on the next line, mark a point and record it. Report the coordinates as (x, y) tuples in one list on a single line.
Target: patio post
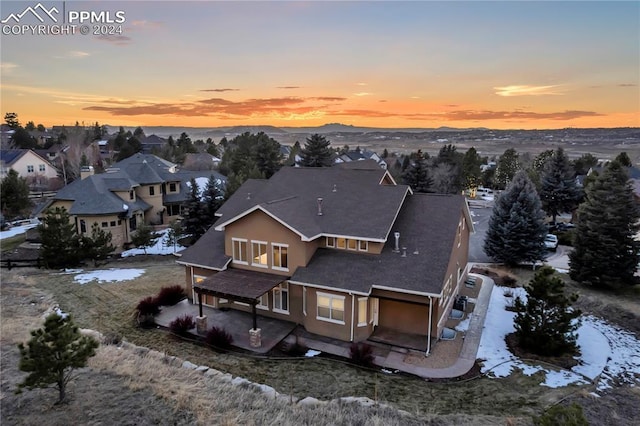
[(200, 303), (255, 316)]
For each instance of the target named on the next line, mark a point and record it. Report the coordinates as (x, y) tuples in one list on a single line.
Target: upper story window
[(259, 254), (152, 190), (280, 258), (83, 226), (172, 187), (132, 195), (30, 169), (239, 251), (41, 168), (330, 307)]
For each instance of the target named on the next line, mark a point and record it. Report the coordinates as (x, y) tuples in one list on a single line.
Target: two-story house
[(140, 189), (28, 164), (343, 251)]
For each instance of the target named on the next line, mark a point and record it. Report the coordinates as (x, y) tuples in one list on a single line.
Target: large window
[(263, 302), (239, 251), (259, 254), (280, 260), (281, 298), (330, 307), (362, 311)]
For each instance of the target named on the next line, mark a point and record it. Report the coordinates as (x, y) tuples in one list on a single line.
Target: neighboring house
[(357, 155), (152, 143), (139, 189), (343, 251), (201, 161), (29, 165)]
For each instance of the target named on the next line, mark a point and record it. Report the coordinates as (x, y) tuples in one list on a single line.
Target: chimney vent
[(248, 195), (319, 206), (335, 188), (404, 252), (397, 247)]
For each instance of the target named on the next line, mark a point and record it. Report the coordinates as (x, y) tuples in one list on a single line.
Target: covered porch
[(236, 323)]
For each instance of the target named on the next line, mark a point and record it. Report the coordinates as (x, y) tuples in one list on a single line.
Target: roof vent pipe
[(397, 248), (248, 195), (319, 206), (335, 188), (404, 252)]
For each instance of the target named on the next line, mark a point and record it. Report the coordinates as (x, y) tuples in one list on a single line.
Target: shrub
[(569, 415), (182, 325), (148, 306), (169, 296), (361, 354), (566, 238), (219, 338)]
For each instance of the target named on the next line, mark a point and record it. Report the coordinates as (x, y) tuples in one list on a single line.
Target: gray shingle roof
[(354, 203), (208, 251), (427, 223)]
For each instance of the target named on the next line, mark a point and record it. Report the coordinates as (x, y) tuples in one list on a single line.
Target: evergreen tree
[(417, 175), (545, 324), (584, 163), (53, 353), (623, 159), (212, 199), (266, 154), (471, 171), (605, 252), (144, 237), (14, 196), (517, 229), (317, 152), (11, 118), (559, 192), (97, 246), (195, 220), (60, 242), (506, 168), (174, 233)]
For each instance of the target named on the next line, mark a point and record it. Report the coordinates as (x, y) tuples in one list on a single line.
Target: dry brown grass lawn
[(155, 390)]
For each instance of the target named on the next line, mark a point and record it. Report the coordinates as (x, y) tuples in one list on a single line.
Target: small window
[(363, 246), (83, 226), (330, 307), (112, 223), (280, 257), (30, 169), (352, 244), (41, 168), (239, 251), (104, 224), (152, 190), (362, 311), (259, 254), (119, 222), (172, 187), (341, 243), (331, 242), (263, 302), (132, 195)]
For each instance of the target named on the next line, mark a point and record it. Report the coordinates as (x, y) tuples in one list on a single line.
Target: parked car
[(551, 242)]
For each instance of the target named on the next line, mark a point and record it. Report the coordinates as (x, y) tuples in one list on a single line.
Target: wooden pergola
[(238, 285)]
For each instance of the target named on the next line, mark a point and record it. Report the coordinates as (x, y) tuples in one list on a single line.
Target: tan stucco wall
[(151, 216), (260, 227)]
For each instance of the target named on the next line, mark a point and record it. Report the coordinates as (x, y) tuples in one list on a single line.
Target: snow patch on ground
[(160, 247), (608, 354), (17, 230), (109, 275), (202, 185), (463, 325)]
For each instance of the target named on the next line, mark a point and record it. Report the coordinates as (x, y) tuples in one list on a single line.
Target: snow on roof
[(607, 353), (202, 185)]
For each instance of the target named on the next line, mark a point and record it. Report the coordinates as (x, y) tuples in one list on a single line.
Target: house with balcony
[(343, 251), (140, 189)]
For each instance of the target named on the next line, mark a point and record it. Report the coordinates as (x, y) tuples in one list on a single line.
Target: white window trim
[(330, 245), (233, 250), (330, 296), (273, 260), (280, 288), (266, 252), (366, 305), (259, 305), (366, 245)]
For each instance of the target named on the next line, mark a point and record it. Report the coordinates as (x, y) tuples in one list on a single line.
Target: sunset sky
[(499, 65)]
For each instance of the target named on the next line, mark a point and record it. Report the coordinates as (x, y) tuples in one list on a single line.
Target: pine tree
[(506, 168), (144, 237), (212, 199), (174, 233), (417, 175), (53, 353), (517, 229), (194, 218), (471, 171), (316, 152), (545, 324), (14, 195), (559, 192), (605, 252), (97, 246), (60, 242)]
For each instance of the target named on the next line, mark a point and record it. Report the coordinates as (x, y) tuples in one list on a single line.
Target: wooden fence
[(21, 263)]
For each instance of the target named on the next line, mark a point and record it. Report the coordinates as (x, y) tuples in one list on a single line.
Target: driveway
[(480, 217)]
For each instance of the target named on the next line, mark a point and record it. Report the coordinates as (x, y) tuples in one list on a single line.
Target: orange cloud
[(219, 90)]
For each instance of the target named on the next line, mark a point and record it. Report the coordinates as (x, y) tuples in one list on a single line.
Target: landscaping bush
[(361, 354), (182, 325), (566, 238), (148, 306), (219, 338), (569, 415), (169, 296)]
